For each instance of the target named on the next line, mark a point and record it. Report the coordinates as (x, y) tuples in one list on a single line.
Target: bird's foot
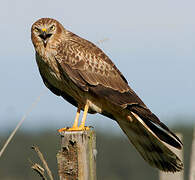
[(78, 128)]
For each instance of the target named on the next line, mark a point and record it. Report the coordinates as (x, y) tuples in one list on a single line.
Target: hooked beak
[(44, 36)]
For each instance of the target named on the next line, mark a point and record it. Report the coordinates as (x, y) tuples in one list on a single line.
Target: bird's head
[(44, 31)]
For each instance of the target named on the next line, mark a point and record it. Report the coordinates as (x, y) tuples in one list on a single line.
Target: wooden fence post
[(77, 157), (192, 159), (177, 175)]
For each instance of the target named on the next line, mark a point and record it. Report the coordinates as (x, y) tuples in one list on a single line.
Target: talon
[(62, 129), (75, 126), (86, 128)]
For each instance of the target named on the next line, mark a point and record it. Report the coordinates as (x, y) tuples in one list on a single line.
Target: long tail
[(150, 140)]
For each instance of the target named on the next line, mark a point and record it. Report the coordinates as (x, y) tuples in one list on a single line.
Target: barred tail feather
[(149, 145)]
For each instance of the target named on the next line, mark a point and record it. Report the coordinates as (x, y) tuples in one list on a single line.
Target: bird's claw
[(78, 128)]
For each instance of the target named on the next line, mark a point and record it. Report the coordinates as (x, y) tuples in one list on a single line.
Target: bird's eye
[(52, 28), (36, 29)]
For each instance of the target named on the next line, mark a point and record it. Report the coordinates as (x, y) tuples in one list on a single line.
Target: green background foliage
[(116, 159)]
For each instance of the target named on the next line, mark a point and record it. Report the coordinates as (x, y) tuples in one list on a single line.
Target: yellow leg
[(82, 126), (75, 126), (76, 121)]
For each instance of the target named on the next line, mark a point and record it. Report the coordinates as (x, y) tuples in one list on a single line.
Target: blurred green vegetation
[(116, 159)]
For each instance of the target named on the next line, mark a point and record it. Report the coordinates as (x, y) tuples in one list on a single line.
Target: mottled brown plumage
[(81, 73)]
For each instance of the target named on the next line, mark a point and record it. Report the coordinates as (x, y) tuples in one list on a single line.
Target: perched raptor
[(83, 74)]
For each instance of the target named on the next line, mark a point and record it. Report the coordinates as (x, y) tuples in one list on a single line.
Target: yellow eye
[(36, 29), (52, 28)]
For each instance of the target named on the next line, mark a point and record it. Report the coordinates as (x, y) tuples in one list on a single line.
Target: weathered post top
[(77, 156)]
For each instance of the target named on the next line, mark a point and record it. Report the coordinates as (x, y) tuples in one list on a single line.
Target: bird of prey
[(84, 75)]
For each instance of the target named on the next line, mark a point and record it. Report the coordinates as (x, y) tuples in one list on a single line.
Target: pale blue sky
[(152, 42)]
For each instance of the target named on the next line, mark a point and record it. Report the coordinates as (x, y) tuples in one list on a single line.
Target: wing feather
[(150, 146), (90, 69), (150, 119), (93, 66)]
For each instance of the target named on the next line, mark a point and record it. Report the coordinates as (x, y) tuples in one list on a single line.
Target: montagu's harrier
[(82, 74)]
